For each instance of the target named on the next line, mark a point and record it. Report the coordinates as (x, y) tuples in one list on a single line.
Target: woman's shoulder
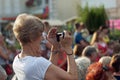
[(30, 60), (42, 60)]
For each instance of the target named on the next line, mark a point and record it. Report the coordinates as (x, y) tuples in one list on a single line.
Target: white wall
[(9, 8), (61, 9), (65, 9)]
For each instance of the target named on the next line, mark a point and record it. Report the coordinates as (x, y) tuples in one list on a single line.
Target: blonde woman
[(29, 64)]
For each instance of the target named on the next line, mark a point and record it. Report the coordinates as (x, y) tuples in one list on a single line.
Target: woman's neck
[(30, 50)]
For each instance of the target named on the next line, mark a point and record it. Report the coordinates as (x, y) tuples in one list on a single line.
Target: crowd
[(95, 57), (47, 54)]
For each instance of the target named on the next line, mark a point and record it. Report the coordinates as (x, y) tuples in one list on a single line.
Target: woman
[(103, 30), (62, 61), (4, 55), (100, 41), (105, 60), (29, 64), (82, 64), (88, 57), (77, 50), (97, 71), (115, 64)]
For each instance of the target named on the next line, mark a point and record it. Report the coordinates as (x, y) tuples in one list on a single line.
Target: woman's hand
[(51, 37), (67, 43)]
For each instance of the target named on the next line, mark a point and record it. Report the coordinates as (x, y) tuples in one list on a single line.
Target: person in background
[(9, 37), (82, 65), (45, 45), (97, 71), (115, 64), (62, 60), (87, 57), (94, 38), (103, 31), (3, 75), (77, 50), (4, 53), (12, 53), (5, 57), (85, 32), (78, 39), (101, 40), (32, 66), (90, 52), (105, 60)]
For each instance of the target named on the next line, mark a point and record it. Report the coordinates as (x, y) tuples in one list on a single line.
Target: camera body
[(58, 35)]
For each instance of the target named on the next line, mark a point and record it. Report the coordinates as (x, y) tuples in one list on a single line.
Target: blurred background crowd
[(94, 25)]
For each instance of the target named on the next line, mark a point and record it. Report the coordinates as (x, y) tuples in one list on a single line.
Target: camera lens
[(60, 35)]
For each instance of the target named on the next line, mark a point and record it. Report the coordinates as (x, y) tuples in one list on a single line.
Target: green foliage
[(115, 35), (17, 45), (93, 17)]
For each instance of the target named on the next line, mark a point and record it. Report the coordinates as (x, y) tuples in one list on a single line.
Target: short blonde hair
[(27, 28), (105, 60), (82, 65)]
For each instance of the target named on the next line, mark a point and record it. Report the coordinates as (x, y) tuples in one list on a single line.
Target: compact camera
[(58, 35)]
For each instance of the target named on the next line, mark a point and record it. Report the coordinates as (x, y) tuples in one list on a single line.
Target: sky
[(106, 3)]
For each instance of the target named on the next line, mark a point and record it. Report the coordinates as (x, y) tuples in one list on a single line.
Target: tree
[(93, 17)]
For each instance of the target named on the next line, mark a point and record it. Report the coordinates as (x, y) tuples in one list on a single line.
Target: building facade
[(55, 9), (11, 8), (64, 9), (112, 6), (114, 13)]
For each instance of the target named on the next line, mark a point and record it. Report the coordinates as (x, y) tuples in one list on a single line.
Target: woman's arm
[(56, 73), (55, 46)]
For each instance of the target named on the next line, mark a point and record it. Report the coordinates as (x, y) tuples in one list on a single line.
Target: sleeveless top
[(102, 47), (30, 68)]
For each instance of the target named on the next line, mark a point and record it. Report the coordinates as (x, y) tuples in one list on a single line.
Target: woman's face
[(94, 56), (105, 31)]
